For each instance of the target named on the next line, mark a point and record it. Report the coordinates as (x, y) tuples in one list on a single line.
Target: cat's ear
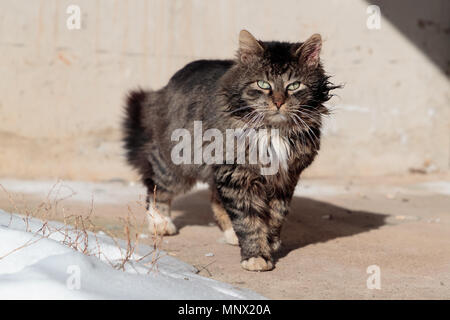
[(309, 52), (249, 47)]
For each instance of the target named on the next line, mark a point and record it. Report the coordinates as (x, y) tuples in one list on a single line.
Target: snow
[(44, 266)]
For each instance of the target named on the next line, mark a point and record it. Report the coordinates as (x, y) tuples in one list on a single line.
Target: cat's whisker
[(296, 122), (249, 115), (310, 117), (260, 120), (303, 141), (255, 120), (329, 109), (308, 111), (312, 132), (308, 129), (304, 113), (313, 117), (253, 117), (248, 118), (306, 105), (244, 108)]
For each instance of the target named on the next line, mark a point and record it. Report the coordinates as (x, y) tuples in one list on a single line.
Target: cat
[(269, 85)]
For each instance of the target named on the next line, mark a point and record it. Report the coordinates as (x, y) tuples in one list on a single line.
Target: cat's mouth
[(276, 117)]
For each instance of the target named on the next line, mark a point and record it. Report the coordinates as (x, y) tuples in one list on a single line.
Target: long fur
[(222, 94)]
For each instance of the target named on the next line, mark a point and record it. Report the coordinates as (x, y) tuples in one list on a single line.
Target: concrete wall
[(61, 91)]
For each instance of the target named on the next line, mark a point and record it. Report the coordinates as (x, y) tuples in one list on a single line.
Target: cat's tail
[(134, 136)]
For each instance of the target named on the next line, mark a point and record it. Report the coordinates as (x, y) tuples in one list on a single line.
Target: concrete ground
[(336, 229)]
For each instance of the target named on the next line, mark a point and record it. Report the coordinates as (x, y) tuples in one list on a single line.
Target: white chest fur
[(269, 148)]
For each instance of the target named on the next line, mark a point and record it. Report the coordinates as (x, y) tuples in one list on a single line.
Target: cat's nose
[(278, 99), (279, 104)]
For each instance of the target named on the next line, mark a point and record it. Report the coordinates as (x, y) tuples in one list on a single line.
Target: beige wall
[(61, 91)]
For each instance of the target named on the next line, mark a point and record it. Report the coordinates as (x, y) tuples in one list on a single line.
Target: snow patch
[(44, 270)]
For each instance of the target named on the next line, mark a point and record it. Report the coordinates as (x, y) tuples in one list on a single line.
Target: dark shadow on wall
[(309, 221), (424, 23)]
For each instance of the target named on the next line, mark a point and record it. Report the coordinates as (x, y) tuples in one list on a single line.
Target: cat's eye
[(293, 86), (264, 85)]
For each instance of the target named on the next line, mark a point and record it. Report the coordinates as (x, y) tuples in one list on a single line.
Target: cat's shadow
[(309, 221)]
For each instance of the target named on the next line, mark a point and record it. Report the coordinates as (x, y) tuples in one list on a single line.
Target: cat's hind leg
[(159, 220), (223, 220), (158, 210)]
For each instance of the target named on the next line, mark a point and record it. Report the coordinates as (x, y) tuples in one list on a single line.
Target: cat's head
[(278, 84)]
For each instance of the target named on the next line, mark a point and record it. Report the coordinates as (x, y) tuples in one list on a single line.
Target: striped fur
[(223, 94)]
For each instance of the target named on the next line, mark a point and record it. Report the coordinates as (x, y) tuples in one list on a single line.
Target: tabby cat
[(269, 85)]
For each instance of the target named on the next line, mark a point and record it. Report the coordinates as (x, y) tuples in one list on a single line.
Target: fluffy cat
[(269, 85)]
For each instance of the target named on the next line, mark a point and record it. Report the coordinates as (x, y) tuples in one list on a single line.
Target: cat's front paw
[(257, 264)]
